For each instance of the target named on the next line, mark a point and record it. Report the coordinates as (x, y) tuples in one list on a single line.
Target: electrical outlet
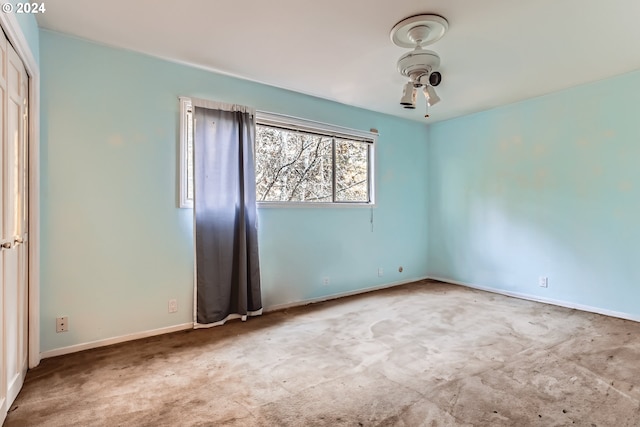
[(62, 324), (173, 305), (326, 281), (543, 282), (380, 272)]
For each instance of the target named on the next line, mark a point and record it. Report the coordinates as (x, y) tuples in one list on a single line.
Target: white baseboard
[(566, 304), (340, 295), (185, 326), (130, 337), (114, 340)]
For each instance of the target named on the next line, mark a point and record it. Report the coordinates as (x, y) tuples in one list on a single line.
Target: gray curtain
[(227, 265)]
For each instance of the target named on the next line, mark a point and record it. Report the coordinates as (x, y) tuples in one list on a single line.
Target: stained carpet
[(423, 354)]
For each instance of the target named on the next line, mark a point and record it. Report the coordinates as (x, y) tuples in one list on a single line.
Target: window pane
[(352, 171), (292, 166)]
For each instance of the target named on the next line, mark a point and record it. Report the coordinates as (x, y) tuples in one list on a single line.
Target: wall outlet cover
[(543, 282), (62, 324)]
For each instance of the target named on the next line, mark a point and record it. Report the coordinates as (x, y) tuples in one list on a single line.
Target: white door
[(14, 224), (3, 102)]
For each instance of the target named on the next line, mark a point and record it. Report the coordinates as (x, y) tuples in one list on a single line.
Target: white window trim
[(290, 122), (183, 200), (296, 123)]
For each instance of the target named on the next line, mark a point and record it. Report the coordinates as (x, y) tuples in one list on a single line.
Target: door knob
[(6, 245)]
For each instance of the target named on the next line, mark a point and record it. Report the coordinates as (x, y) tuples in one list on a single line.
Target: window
[(299, 161), (186, 153)]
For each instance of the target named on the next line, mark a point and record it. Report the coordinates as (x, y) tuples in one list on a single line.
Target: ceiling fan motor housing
[(418, 63)]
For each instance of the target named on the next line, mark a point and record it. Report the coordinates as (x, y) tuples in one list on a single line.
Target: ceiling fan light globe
[(435, 78), (431, 95), (409, 94)]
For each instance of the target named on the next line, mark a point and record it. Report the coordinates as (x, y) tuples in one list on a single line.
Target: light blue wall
[(547, 187), (115, 247)]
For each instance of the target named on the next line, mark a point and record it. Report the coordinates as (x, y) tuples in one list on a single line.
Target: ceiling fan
[(419, 65)]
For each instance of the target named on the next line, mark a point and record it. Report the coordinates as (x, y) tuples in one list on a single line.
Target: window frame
[(184, 201), (296, 124), (289, 123)]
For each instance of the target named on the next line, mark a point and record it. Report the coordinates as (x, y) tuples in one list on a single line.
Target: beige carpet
[(425, 354)]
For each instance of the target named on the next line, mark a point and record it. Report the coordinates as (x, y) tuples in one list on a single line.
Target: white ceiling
[(495, 52)]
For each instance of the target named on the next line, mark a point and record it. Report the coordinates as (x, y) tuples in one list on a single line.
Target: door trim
[(14, 33)]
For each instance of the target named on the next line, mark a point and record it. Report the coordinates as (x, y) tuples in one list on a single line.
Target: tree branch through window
[(294, 166)]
